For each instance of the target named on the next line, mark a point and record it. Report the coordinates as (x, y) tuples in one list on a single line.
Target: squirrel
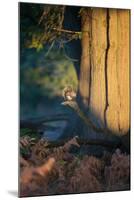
[(69, 93)]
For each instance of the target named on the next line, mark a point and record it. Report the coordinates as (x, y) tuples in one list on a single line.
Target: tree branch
[(66, 31), (88, 121)]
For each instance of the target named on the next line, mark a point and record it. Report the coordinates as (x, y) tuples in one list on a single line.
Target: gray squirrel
[(69, 93)]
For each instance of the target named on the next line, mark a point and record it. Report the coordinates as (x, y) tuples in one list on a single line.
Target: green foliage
[(36, 44), (29, 132), (24, 151), (25, 131)]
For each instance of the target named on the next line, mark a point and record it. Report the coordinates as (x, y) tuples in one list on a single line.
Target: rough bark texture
[(104, 72), (85, 76), (118, 71)]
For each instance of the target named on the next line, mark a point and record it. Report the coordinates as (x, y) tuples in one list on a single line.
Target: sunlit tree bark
[(104, 84)]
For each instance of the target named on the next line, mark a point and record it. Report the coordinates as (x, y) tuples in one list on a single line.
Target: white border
[(9, 97)]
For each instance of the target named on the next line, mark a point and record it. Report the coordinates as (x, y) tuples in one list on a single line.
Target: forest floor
[(50, 170)]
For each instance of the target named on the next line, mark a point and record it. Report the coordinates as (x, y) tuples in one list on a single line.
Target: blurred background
[(43, 76)]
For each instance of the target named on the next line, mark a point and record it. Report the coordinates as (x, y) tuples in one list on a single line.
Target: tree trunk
[(104, 71)]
